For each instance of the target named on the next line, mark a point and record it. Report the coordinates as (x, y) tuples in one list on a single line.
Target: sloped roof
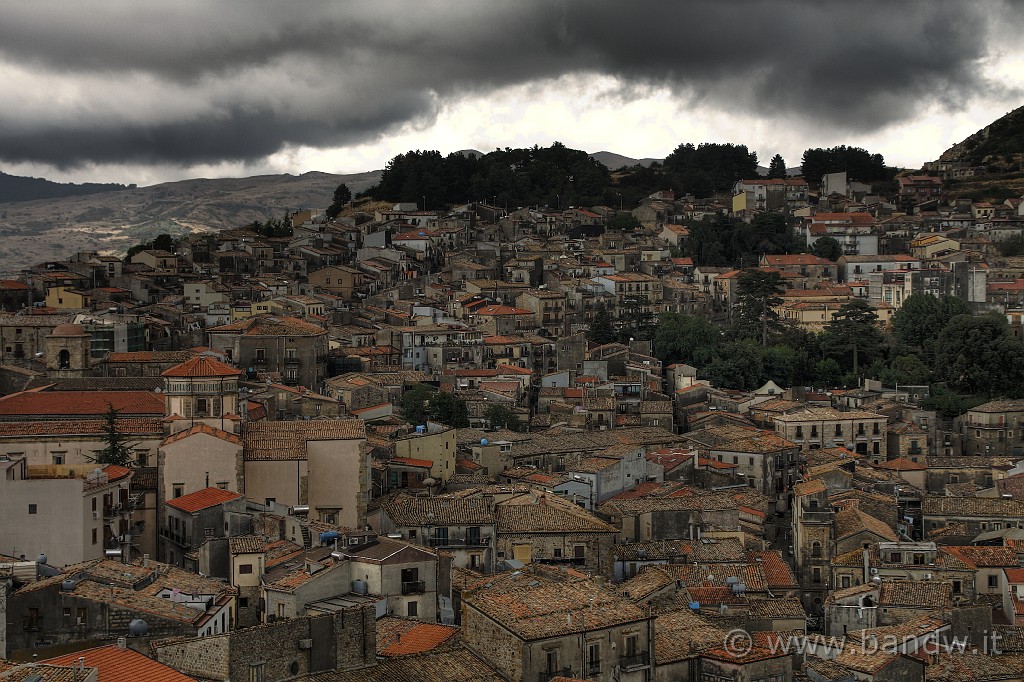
[(202, 499), (204, 429), (202, 366), (531, 513), (122, 665), (71, 403)]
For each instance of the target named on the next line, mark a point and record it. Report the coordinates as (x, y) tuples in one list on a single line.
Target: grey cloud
[(333, 74)]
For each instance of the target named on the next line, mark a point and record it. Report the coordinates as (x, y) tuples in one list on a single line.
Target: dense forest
[(16, 188), (558, 176)]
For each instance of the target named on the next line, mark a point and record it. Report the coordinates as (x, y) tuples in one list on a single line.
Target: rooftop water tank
[(329, 536), (359, 586)]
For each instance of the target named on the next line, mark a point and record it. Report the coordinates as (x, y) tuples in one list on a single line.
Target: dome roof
[(68, 329)]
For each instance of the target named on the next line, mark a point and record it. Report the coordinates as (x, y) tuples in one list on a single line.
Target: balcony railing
[(259, 361), (415, 587), (292, 360), (456, 541), (175, 536), (637, 660)]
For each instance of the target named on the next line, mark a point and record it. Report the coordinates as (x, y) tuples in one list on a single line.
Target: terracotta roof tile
[(267, 440), (122, 665), (202, 499), (204, 429), (398, 637), (202, 366), (73, 403)]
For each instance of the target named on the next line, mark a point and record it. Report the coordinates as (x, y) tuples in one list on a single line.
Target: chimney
[(145, 561), (122, 643)]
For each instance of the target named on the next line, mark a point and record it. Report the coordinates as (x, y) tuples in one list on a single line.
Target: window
[(179, 489), (799, 432), (876, 448), (256, 672), (839, 429), (80, 615), (845, 581), (579, 551), (66, 612), (243, 602), (957, 587), (58, 458), (245, 569), (558, 552), (816, 575), (993, 581), (594, 658), (412, 609), (95, 536), (815, 549), (32, 509), (33, 617), (552, 661), (261, 353)]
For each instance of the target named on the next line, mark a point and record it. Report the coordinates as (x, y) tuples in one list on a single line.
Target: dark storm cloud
[(238, 81)]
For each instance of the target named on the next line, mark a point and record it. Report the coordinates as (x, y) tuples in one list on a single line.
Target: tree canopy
[(859, 164), (422, 403), (709, 167), (777, 167), (758, 293)]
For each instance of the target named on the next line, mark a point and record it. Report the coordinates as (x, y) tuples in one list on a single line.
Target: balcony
[(641, 659), (294, 360), (456, 541), (259, 360), (175, 536), (415, 587)]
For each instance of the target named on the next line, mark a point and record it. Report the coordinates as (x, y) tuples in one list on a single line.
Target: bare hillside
[(37, 231)]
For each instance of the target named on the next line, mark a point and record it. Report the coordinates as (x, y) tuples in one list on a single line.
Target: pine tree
[(117, 449), (602, 329), (777, 167)]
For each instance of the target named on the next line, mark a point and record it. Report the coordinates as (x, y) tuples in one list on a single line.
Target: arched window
[(64, 359), (816, 549)]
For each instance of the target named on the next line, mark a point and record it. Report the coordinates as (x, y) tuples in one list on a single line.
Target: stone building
[(994, 429), (531, 626), (286, 347), (824, 427), (812, 542), (99, 598), (546, 529), (286, 649), (461, 526), (192, 520), (67, 351)]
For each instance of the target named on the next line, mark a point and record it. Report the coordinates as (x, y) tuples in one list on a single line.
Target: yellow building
[(67, 298)]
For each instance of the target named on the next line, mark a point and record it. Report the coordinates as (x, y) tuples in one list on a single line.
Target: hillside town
[(542, 443)]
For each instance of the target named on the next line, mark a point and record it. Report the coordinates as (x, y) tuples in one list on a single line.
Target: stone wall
[(345, 640)]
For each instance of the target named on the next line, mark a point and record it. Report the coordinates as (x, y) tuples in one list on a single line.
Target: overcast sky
[(151, 91)]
